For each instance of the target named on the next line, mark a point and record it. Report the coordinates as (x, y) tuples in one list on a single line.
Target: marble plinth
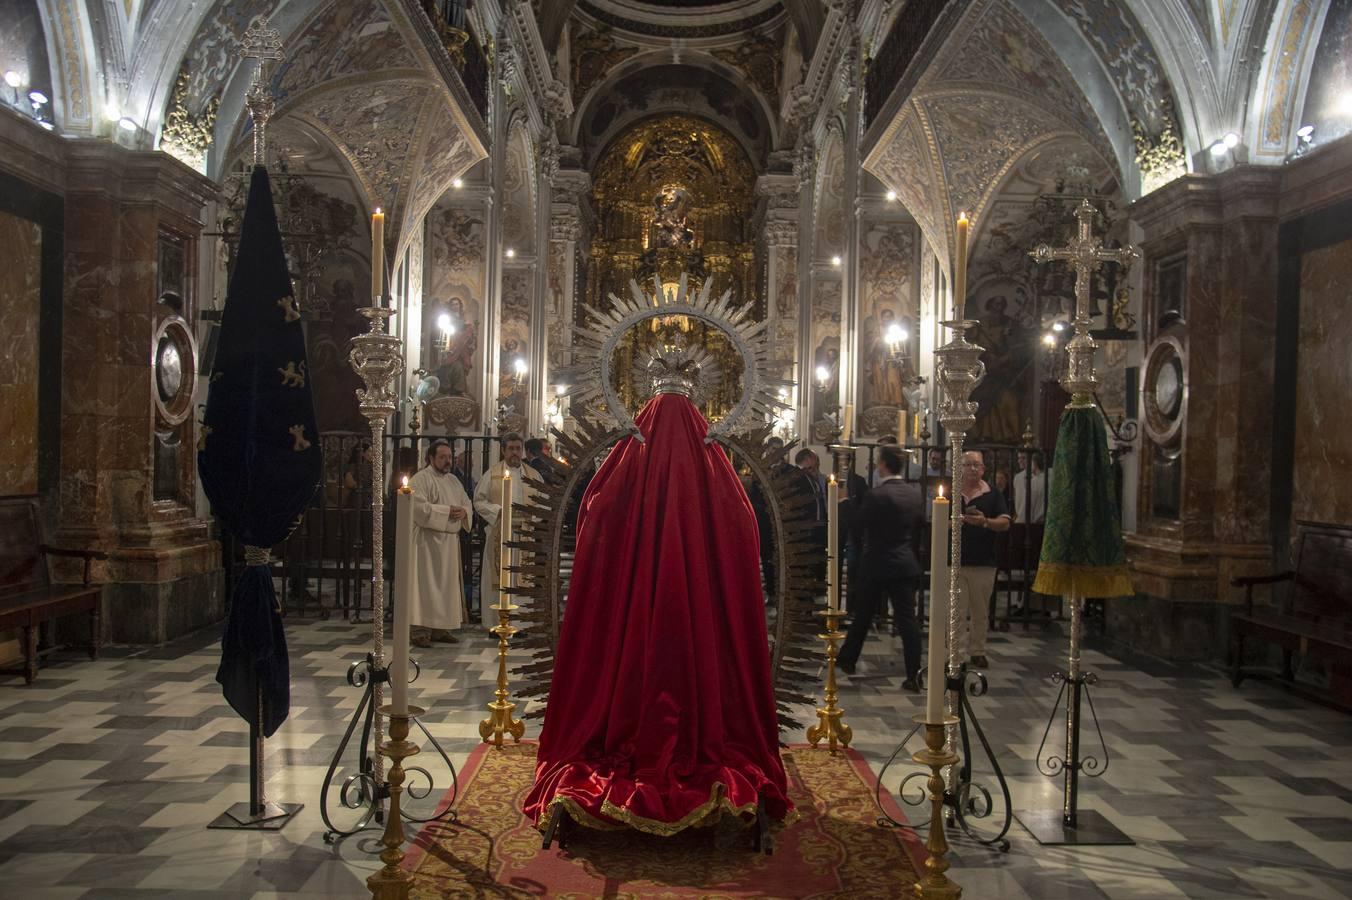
[(155, 612)]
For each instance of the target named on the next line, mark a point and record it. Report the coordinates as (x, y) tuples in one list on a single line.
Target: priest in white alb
[(488, 504), (441, 511)]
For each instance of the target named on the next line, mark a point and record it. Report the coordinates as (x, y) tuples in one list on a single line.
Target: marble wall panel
[(20, 309), (1321, 490)]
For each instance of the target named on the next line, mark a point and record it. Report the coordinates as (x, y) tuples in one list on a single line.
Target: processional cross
[(1086, 254)]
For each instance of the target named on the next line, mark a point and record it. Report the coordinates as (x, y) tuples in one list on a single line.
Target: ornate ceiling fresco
[(354, 74), (682, 19), (995, 91)]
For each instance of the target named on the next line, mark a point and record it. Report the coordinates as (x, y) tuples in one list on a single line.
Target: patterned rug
[(834, 848)]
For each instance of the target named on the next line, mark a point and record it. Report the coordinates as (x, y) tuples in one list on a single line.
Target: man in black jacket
[(890, 516)]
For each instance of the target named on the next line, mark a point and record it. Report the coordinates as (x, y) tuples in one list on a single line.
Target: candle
[(938, 611), (915, 426), (901, 426), (377, 253), (846, 422), (832, 541), (504, 535), (403, 596), (960, 269)]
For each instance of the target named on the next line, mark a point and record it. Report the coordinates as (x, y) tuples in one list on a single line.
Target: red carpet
[(833, 849)]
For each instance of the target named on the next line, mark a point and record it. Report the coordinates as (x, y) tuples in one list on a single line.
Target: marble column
[(132, 224), (1218, 234)]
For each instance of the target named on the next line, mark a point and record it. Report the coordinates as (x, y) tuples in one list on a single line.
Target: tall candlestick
[(403, 597), (377, 253), (847, 423), (832, 542), (934, 689), (504, 535), (960, 268)]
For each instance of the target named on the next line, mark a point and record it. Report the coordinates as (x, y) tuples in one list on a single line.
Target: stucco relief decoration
[(375, 125), (1129, 56), (446, 154), (1280, 88), (1003, 50), (1160, 159), (757, 58), (905, 168), (185, 136), (980, 136), (594, 54), (214, 51), (347, 38)]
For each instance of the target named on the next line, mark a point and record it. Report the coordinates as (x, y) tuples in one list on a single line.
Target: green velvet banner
[(1082, 552)]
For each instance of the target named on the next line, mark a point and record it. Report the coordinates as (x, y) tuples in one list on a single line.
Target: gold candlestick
[(392, 882), (935, 883), (829, 724), (500, 720)]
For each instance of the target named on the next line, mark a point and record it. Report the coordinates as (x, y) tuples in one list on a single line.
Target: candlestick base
[(500, 721), (935, 884), (829, 726), (392, 882)]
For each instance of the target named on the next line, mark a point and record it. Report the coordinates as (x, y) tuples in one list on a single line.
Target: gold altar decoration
[(500, 721), (674, 195), (392, 882), (829, 726)]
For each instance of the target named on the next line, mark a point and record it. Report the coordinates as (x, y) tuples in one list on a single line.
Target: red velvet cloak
[(661, 713)]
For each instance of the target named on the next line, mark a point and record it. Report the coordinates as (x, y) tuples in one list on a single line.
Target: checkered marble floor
[(110, 771)]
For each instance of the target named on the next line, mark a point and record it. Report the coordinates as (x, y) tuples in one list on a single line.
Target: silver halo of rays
[(592, 388)]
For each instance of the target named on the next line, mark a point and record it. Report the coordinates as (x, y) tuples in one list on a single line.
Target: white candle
[(403, 595), (847, 421), (901, 427), (938, 611), (960, 268), (832, 542), (504, 535), (377, 253)]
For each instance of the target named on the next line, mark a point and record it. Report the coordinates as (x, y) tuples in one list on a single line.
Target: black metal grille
[(894, 55)]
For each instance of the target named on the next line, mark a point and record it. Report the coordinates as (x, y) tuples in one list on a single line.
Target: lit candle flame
[(941, 492)]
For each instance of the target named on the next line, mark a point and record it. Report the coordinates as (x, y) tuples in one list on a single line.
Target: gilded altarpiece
[(674, 195)]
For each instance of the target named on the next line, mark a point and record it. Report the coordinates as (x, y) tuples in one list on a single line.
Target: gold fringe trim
[(704, 814), (1061, 579)]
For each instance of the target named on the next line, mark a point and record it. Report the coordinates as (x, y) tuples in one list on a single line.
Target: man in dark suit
[(890, 517)]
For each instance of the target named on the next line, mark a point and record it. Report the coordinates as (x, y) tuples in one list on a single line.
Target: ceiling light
[(835, 261), (37, 97), (510, 253), (891, 196), (126, 124), (13, 78), (457, 183), (1231, 140)]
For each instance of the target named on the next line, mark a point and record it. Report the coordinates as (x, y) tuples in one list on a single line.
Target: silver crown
[(675, 370)]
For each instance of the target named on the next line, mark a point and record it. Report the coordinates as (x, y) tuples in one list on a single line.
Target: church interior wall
[(456, 286)]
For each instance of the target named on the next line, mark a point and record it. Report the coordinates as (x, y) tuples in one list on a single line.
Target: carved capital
[(565, 226), (781, 233)]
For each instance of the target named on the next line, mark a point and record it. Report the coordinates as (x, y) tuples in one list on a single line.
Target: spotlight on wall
[(891, 196), (1219, 149), (1231, 140), (47, 125), (13, 79), (457, 183), (37, 97), (1345, 103), (126, 124), (1304, 139), (511, 253), (560, 389), (1305, 132), (836, 261), (1058, 326)]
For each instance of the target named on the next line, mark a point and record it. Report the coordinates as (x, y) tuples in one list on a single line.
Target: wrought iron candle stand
[(830, 726), (959, 369), (1070, 825), (364, 789)]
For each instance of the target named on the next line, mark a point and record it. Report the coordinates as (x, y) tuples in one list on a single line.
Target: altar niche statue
[(671, 210)]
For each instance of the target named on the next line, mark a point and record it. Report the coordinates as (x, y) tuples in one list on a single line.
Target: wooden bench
[(27, 596), (1314, 618)]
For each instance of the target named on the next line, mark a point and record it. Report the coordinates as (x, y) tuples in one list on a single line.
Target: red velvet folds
[(662, 708)]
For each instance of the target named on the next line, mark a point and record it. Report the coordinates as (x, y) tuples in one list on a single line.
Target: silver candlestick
[(377, 357), (958, 369)]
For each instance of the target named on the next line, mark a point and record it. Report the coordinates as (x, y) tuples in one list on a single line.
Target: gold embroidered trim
[(697, 817), (1060, 579)]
